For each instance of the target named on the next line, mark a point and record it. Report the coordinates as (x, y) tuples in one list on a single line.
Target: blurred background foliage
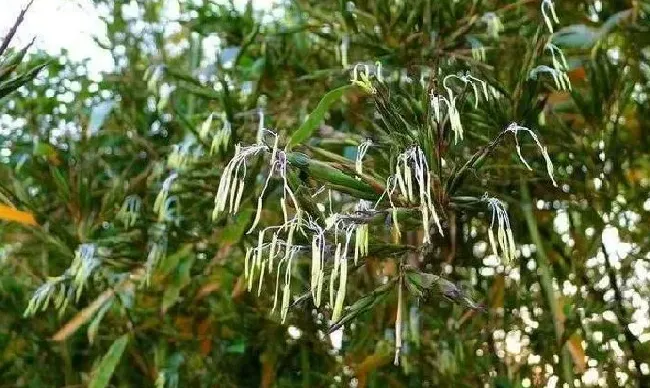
[(83, 158)]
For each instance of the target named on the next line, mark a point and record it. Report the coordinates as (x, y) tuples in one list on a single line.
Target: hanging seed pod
[(357, 243), (340, 295), (335, 271), (205, 127), (259, 286), (247, 259), (400, 182), (285, 302), (274, 242), (277, 285), (283, 205), (493, 243), (398, 324), (319, 290), (233, 193), (315, 264), (511, 244), (257, 259), (409, 182)]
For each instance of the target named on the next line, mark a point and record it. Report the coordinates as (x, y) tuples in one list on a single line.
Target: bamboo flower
[(548, 6), (514, 128), (504, 239)]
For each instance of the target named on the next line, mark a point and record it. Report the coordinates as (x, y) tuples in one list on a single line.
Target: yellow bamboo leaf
[(497, 292), (369, 364), (83, 316), (268, 361), (577, 352), (10, 214)]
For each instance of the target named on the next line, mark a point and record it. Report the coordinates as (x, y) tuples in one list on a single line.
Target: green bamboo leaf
[(235, 230), (325, 172), (18, 81), (170, 262), (7, 67), (60, 182), (12, 31), (365, 303), (316, 116), (181, 280), (102, 374), (94, 325)]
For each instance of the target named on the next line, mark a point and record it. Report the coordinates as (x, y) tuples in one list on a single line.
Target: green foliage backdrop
[(116, 270)]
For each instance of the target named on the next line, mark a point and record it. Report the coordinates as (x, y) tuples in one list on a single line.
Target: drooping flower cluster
[(515, 128), (257, 263), (164, 203), (157, 248), (558, 59), (130, 211), (440, 103), (549, 8), (220, 138), (43, 295), (494, 25), (504, 238), (559, 68), (69, 286), (340, 268), (362, 79), (183, 155), (277, 256), (361, 233), (231, 184), (362, 149), (560, 78), (478, 50), (413, 163)]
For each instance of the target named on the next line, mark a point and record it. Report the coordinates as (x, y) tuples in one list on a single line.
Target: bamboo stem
[(546, 280)]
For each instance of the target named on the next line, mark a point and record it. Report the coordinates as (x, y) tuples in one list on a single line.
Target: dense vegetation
[(367, 193)]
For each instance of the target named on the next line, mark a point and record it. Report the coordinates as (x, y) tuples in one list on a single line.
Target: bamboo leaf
[(332, 175), (181, 279), (10, 214), (316, 116), (362, 305), (170, 262), (83, 316), (94, 325), (235, 230), (9, 66), (18, 81), (102, 374)]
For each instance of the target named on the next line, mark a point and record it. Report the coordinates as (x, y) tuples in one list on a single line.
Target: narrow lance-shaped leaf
[(22, 217), (324, 172), (18, 81), (7, 67), (307, 128), (12, 31), (102, 374)]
